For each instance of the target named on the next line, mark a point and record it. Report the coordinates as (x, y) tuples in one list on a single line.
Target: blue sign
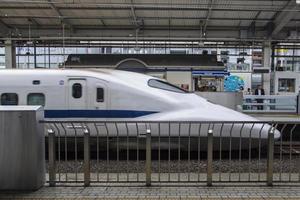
[(210, 73), (233, 83)]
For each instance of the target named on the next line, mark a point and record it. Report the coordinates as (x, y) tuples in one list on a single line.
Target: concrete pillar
[(10, 54), (267, 52)]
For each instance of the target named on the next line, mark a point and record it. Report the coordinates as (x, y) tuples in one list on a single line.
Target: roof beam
[(55, 8), (252, 26), (4, 28), (208, 15), (135, 22), (286, 15), (33, 21), (150, 6), (138, 20), (255, 18), (130, 27), (189, 32), (102, 22), (133, 14), (57, 11)]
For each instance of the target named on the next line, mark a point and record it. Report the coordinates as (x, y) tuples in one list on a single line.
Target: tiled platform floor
[(156, 192)]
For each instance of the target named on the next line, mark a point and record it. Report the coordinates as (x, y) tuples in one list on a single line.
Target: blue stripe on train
[(96, 113)]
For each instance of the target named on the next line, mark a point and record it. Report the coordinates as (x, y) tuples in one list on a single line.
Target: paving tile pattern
[(160, 192)]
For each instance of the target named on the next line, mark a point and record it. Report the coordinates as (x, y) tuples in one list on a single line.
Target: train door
[(77, 95)]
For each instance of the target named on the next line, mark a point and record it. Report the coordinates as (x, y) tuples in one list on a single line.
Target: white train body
[(120, 95)]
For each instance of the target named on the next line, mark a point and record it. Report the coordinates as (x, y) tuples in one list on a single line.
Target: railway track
[(287, 147)]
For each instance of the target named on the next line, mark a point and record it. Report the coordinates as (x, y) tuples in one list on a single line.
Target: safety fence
[(119, 152), (271, 104)]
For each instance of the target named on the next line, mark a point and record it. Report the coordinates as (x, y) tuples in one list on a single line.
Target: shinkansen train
[(115, 95)]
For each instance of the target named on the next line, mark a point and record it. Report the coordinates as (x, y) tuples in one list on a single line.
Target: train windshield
[(165, 86)]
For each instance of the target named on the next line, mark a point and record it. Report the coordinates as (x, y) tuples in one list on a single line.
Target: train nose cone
[(268, 128), (221, 113), (277, 134), (244, 125), (260, 130)]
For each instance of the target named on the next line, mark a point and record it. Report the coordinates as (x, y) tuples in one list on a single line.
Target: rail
[(271, 104), (147, 153)]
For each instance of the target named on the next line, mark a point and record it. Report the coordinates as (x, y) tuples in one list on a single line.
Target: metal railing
[(271, 104), (106, 152)]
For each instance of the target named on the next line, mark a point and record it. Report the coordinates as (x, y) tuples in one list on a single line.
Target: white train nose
[(268, 128), (260, 130)]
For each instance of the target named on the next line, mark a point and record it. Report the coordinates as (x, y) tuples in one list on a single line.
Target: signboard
[(210, 73), (282, 51), (261, 70)]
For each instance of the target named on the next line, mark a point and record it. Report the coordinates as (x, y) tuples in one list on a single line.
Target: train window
[(100, 95), (77, 90), (36, 99), (9, 99), (165, 86)]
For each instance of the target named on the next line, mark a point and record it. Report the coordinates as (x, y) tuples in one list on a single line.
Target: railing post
[(51, 157), (148, 157), (209, 157), (270, 160), (298, 103), (86, 163)]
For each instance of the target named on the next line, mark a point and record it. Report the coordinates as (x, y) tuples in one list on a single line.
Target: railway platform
[(74, 170), (160, 192)]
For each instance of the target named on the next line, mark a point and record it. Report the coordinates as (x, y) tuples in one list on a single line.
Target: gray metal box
[(22, 148)]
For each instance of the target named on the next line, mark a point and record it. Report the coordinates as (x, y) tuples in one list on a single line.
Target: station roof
[(149, 19)]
